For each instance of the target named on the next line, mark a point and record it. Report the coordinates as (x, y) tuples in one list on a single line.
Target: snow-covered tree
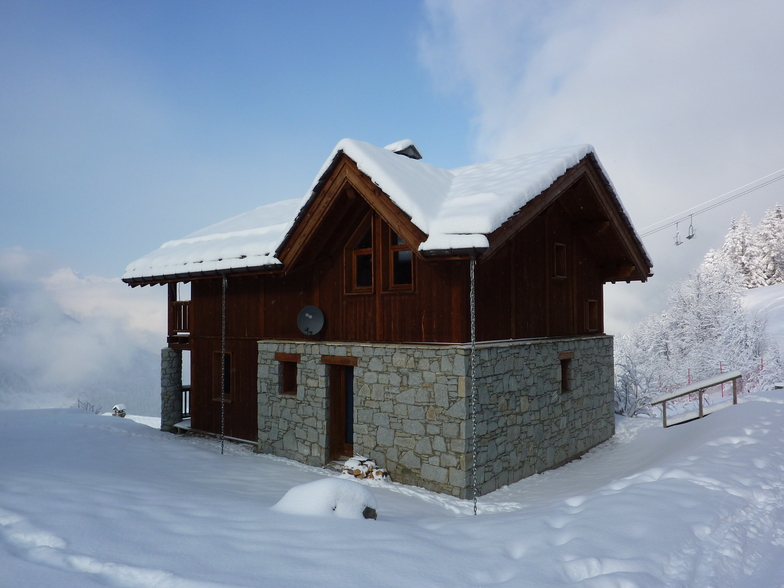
[(741, 248), (704, 327), (770, 244)]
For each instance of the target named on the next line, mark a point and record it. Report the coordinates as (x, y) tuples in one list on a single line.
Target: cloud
[(680, 98), (64, 337)]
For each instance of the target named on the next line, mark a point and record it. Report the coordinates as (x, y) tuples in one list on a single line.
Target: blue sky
[(130, 123), (126, 124)]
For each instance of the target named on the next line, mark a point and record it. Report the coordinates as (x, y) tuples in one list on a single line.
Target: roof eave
[(188, 276)]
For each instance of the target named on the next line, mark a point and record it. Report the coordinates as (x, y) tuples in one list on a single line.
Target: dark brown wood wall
[(519, 294)]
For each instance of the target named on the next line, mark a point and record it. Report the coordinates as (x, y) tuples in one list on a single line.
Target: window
[(559, 260), (401, 262), (224, 375), (591, 315), (288, 378), (378, 259), (359, 259), (288, 372), (566, 358)]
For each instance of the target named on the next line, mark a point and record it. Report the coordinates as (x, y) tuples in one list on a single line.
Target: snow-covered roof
[(455, 208)]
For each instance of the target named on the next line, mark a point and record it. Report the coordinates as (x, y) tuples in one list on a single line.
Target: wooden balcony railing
[(181, 317)]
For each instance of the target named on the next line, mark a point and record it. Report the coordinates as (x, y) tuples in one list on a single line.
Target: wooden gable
[(333, 207), (595, 216)]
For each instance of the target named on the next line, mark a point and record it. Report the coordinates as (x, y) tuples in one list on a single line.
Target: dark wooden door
[(341, 411)]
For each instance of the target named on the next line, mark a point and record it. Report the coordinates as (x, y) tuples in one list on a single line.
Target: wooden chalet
[(382, 246)]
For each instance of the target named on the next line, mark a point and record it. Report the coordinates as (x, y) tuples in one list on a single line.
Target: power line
[(713, 203)]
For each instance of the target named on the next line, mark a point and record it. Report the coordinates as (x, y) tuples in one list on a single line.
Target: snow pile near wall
[(330, 497)]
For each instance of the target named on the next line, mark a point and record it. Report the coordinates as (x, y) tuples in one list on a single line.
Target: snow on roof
[(245, 241), (456, 208)]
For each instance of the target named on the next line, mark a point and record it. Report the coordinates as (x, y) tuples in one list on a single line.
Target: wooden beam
[(339, 360), (620, 272)]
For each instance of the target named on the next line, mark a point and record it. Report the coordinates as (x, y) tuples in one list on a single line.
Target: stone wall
[(171, 388), (526, 421), (412, 403)]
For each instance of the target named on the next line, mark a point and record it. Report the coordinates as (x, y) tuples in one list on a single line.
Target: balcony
[(179, 324)]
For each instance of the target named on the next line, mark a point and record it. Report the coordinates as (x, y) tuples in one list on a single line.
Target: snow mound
[(329, 497)]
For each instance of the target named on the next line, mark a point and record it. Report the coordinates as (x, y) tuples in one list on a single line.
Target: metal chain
[(223, 364), (473, 385)]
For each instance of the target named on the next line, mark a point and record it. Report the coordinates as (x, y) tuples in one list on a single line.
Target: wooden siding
[(521, 291)]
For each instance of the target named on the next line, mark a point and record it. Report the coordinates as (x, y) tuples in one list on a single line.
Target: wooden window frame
[(389, 257), (217, 393), (288, 373), (560, 265), (591, 315), (350, 256)]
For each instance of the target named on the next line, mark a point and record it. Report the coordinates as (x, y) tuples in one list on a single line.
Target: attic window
[(401, 261), (359, 259), (559, 260)]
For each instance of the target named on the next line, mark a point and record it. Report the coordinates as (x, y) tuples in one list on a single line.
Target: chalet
[(342, 323)]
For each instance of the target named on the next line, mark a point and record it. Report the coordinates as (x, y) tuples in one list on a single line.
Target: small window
[(402, 261), (591, 316), (359, 261), (288, 378), (221, 376), (559, 259), (566, 367)]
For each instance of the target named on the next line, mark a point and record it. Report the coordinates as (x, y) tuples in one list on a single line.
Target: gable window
[(401, 262), (559, 261), (217, 376), (359, 260)]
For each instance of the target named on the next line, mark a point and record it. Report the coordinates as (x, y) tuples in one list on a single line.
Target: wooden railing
[(181, 316), (700, 388)]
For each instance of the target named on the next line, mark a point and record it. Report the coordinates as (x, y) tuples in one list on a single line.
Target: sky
[(125, 125)]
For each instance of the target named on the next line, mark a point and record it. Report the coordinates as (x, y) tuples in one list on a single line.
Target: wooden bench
[(700, 388)]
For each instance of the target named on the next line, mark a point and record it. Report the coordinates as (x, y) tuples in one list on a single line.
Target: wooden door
[(341, 411)]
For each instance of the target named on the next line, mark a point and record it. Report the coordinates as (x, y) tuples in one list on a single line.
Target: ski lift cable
[(712, 203)]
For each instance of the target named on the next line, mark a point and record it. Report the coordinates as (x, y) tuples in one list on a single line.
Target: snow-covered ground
[(90, 500)]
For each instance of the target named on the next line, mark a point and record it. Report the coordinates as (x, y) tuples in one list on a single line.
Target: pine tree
[(770, 244), (742, 249)]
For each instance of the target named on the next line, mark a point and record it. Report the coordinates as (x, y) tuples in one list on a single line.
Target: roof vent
[(405, 147)]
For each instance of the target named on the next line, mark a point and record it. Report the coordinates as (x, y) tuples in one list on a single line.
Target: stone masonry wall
[(525, 422), (412, 403), (171, 388)]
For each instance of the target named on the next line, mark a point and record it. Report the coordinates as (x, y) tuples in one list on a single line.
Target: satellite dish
[(310, 320)]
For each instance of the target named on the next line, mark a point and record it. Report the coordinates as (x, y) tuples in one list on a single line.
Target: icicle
[(473, 385)]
